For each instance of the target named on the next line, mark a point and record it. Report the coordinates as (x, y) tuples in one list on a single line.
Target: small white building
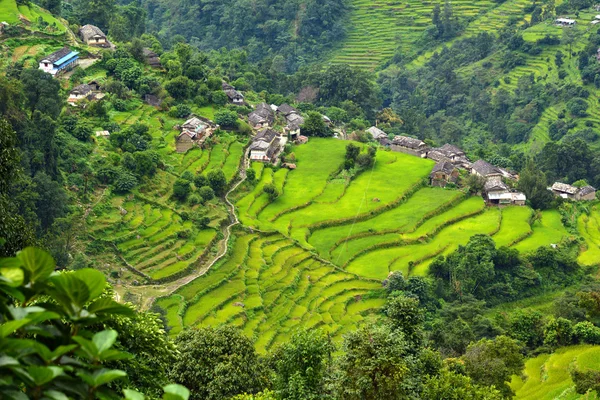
[(564, 22)]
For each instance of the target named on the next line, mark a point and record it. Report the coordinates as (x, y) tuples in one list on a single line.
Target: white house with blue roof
[(59, 61)]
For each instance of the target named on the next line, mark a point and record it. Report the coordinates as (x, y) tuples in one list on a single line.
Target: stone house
[(408, 145), (443, 173), (261, 117), (573, 193), (485, 170), (377, 133), (80, 92), (233, 95), (151, 58), (93, 36), (497, 192), (265, 146), (194, 131)]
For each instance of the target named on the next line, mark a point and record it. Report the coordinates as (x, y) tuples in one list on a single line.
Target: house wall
[(589, 196), (258, 155), (46, 67), (183, 144), (406, 150)]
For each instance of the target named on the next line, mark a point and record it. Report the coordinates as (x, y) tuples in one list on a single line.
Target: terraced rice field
[(406, 229), (378, 28), (589, 228), (269, 287), (154, 240), (546, 377)]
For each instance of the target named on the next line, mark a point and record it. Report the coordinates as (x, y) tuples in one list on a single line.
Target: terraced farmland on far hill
[(377, 28)]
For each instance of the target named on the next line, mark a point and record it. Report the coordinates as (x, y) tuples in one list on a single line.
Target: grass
[(547, 377), (546, 231), (514, 227), (10, 12), (589, 228)]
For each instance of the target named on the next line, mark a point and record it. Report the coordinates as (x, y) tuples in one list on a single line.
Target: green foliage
[(271, 191), (226, 118), (250, 175), (533, 183), (180, 111), (315, 126), (301, 365), (217, 181), (124, 182), (181, 189), (207, 193), (494, 362), (217, 364)]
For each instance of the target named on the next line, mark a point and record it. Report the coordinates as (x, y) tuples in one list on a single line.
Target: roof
[(451, 150), (376, 132), (233, 94), (226, 86), (149, 53), (408, 142), (255, 118), (286, 109), (563, 187), (81, 89), (384, 141), (495, 185), (187, 133), (294, 121), (565, 20), (266, 135), (273, 148), (484, 168), (437, 155), (444, 166), (262, 113), (193, 123), (584, 191), (60, 56), (516, 196), (89, 31)]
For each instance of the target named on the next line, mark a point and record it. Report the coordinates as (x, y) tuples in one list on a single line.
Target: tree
[(251, 175), (395, 282), (181, 189), (405, 315), (9, 155), (533, 183), (494, 362), (206, 193), (51, 201), (315, 126), (226, 118), (41, 92), (373, 365), (217, 181), (179, 87), (217, 364), (558, 59), (200, 181), (352, 151), (450, 385), (301, 365), (569, 37), (271, 191), (124, 182), (577, 107)]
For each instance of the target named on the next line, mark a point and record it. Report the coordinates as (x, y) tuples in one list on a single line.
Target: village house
[(93, 36), (437, 156), (294, 122), (80, 92), (265, 146), (385, 142), (564, 22), (485, 170), (586, 193), (95, 85), (60, 61), (285, 110), (497, 192), (151, 58), (443, 173), (408, 145), (194, 131), (573, 193), (233, 95), (261, 117), (377, 133)]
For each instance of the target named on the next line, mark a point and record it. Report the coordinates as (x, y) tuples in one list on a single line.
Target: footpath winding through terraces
[(148, 293)]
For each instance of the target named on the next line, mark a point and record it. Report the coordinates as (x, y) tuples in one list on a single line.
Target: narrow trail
[(169, 288)]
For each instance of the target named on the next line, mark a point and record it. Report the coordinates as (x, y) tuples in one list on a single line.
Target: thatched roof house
[(93, 36)]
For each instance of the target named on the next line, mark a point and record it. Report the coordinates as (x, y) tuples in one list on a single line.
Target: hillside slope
[(31, 17)]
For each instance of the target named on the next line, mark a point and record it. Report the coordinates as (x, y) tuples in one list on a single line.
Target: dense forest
[(104, 237)]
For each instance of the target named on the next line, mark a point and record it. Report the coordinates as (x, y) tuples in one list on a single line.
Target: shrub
[(181, 189), (271, 191), (206, 193), (125, 182), (226, 118), (180, 111)]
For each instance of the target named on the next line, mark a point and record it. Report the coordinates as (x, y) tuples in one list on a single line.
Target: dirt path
[(148, 293)]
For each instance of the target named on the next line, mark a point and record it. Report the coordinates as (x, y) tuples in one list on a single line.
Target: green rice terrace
[(547, 377), (378, 28), (317, 254)]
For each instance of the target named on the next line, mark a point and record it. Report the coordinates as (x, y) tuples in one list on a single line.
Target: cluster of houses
[(450, 160), (65, 59), (266, 147)]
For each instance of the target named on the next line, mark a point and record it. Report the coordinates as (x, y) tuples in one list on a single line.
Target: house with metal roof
[(59, 62)]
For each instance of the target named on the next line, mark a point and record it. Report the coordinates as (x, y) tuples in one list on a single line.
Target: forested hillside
[(259, 200)]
